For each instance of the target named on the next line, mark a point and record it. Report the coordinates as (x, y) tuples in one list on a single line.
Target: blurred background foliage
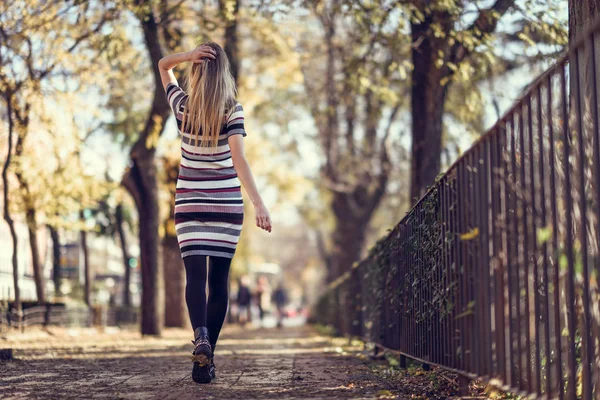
[(352, 108)]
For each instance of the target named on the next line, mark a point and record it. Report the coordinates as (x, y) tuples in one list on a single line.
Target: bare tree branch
[(485, 23)]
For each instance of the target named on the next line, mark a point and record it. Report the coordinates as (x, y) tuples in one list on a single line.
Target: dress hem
[(206, 253)]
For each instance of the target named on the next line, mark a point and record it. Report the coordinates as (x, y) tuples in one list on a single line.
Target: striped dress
[(209, 210)]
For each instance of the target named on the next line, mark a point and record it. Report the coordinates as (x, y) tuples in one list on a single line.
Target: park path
[(253, 363)]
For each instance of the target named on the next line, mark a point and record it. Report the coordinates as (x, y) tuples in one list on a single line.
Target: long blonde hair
[(211, 89)]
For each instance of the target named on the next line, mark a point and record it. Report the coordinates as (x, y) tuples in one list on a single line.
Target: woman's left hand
[(263, 219), (201, 53)]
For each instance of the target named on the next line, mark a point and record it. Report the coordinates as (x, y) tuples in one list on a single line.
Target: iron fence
[(61, 315), (494, 272)]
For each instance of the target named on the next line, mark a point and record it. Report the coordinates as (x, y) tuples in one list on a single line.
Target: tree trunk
[(582, 14), (348, 236), (141, 183), (38, 273), (7, 216), (30, 213), (140, 179), (55, 260), (427, 107), (87, 292), (125, 254), (152, 294), (175, 307), (231, 36), (348, 240), (231, 50)]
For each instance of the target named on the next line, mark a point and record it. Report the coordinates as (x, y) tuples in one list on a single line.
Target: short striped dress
[(209, 210)]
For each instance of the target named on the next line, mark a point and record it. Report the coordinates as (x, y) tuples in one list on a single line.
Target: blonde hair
[(211, 89)]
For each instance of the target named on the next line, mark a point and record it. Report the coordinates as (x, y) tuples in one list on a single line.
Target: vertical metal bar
[(438, 286), (408, 297), (461, 211), (447, 332), (425, 276), (499, 223), (544, 244), (474, 275), (525, 248), (419, 287), (414, 267), (520, 272), (408, 277), (468, 262), (413, 238), (570, 278), (456, 260), (474, 330), (518, 370), (402, 292), (535, 379), (493, 268), (434, 311), (428, 278), (479, 266), (485, 268), (587, 349), (438, 335), (408, 284), (558, 376), (509, 238), (596, 172), (450, 260)]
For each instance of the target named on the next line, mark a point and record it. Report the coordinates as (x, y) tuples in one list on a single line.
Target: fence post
[(402, 361), (47, 315), (463, 385)]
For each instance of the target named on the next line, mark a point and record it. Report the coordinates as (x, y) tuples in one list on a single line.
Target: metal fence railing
[(61, 315), (494, 272)]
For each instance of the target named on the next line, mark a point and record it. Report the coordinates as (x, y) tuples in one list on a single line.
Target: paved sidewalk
[(260, 363)]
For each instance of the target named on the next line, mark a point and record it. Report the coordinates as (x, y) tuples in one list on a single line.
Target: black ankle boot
[(201, 356), (212, 369)]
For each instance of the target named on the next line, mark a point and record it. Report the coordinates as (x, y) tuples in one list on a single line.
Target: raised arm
[(167, 63), (242, 168)]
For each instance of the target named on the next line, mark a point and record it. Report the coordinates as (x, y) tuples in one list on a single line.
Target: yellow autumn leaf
[(472, 234)]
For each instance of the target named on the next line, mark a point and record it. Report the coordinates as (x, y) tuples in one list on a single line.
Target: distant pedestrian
[(244, 299), (209, 210), (280, 300), (263, 296)]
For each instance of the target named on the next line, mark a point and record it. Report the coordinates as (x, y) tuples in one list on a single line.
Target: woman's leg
[(195, 289), (218, 296)]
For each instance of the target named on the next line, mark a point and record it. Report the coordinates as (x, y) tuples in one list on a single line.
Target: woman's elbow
[(161, 63)]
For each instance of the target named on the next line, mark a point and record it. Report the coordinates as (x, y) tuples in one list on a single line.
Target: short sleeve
[(235, 123), (176, 98)]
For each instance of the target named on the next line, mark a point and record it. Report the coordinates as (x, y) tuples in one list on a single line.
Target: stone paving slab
[(288, 363)]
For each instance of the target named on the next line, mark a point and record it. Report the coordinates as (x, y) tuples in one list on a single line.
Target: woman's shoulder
[(237, 106), (236, 111)]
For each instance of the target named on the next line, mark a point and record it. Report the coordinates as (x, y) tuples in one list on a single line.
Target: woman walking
[(209, 209)]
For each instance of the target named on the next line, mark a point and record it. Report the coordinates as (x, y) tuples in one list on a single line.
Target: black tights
[(211, 314)]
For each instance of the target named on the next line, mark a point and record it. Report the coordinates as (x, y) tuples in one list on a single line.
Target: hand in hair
[(202, 53)]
